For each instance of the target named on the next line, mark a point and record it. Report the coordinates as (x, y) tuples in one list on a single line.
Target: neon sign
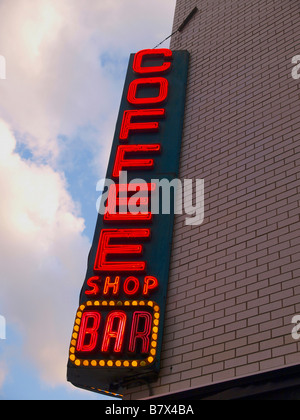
[(118, 330)]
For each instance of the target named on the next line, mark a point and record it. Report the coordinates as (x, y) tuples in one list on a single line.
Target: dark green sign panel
[(118, 329)]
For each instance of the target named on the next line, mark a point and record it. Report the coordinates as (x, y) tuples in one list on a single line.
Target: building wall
[(235, 280)]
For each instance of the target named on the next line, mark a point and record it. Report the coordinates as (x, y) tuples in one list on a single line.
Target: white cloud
[(43, 258), (55, 81), (64, 67)]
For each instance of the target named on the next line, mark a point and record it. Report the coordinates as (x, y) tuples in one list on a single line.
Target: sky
[(65, 68)]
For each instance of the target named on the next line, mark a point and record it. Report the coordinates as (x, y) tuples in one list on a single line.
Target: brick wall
[(235, 280)]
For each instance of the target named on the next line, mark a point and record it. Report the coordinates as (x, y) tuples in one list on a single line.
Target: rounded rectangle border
[(108, 361)]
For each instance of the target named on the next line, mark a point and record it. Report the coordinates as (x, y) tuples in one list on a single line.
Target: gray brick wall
[(235, 280)]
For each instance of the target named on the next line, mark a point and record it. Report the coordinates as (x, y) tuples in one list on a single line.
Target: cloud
[(56, 79), (43, 257), (3, 373)]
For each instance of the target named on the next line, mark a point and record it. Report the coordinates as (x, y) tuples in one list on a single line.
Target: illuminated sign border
[(121, 362)]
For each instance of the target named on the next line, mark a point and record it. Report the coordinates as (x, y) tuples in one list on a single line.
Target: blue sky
[(65, 69)]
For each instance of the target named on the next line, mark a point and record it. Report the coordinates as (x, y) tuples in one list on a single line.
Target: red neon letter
[(151, 54), (143, 334), (127, 125), (105, 248), (152, 81), (92, 283), (150, 283), (92, 331), (122, 163), (136, 286), (111, 285), (114, 201), (111, 332)]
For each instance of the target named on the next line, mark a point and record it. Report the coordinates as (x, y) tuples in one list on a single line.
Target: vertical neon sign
[(118, 329)]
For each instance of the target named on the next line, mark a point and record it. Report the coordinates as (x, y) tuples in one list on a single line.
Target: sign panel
[(118, 329)]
